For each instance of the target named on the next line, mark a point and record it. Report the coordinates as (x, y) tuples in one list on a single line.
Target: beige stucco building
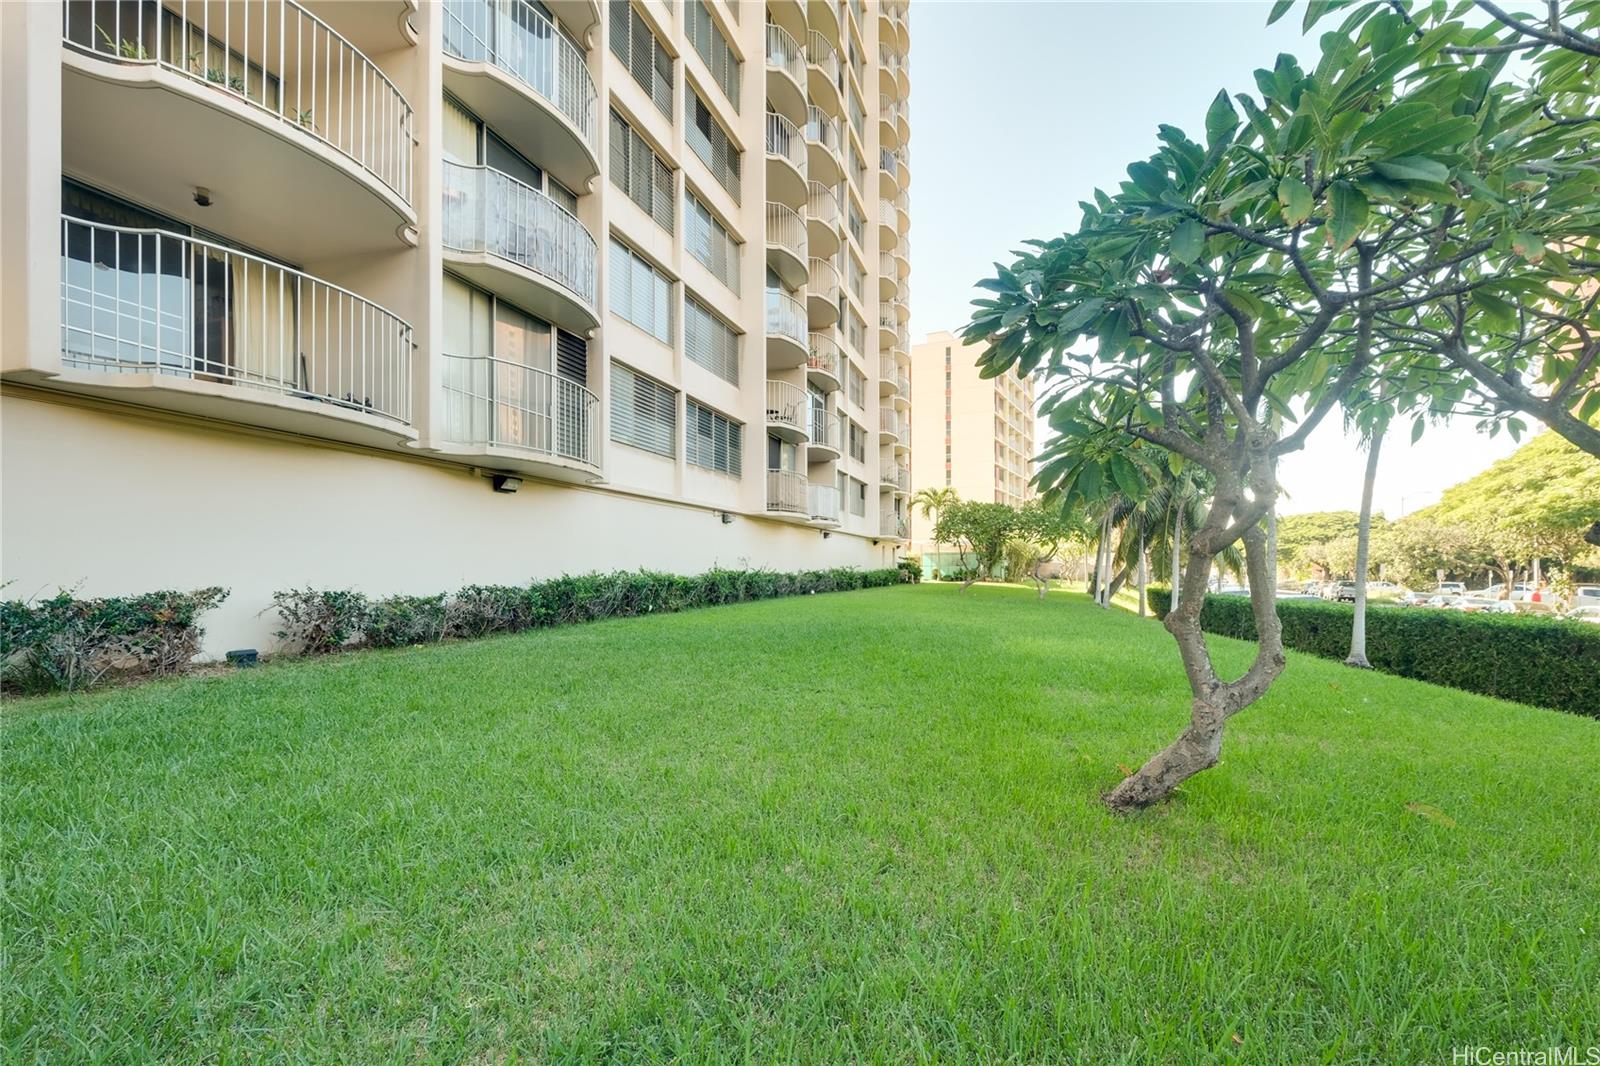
[(968, 433), (401, 296)]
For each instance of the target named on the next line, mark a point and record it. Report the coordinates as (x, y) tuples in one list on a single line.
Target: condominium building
[(971, 434), (401, 295)]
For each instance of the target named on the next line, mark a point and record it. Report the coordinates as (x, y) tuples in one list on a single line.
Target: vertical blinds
[(648, 62), (708, 341), (709, 242), (639, 172), (644, 413), (706, 37), (712, 440), (572, 357), (710, 142), (640, 293)]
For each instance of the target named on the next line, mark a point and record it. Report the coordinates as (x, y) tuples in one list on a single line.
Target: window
[(858, 497), (858, 387), (709, 242), (709, 341), (858, 278), (712, 440), (706, 37), (858, 114), (640, 293), (639, 172), (648, 62), (858, 443), (857, 223), (857, 331), (644, 413), (782, 455), (711, 143)]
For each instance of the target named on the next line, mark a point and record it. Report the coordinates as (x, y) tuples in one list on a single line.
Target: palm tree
[(933, 501)]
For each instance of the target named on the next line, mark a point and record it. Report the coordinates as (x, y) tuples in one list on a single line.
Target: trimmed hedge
[(1543, 661), (319, 620)]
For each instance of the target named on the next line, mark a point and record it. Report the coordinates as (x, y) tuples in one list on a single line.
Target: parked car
[(1484, 605), (1586, 596), (1451, 588), (1343, 592), (1497, 591), (1584, 614)]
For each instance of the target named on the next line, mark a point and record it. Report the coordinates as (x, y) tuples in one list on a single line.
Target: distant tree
[(1302, 538), (931, 502), (981, 528), (1042, 529), (1419, 547)]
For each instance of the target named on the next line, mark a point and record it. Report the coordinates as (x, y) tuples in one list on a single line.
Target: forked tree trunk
[(1214, 701), (1358, 625)]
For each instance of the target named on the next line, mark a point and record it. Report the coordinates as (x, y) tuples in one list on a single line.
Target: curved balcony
[(502, 55), (826, 17), (303, 142), (901, 305), (786, 244), (786, 494), (902, 260), (822, 444), (823, 503), (902, 213), (888, 326), (891, 380), (787, 333), (787, 411), (902, 26), (825, 74), (523, 418), (824, 363), (822, 220), (888, 70), (824, 147), (786, 74), (786, 161), (892, 526), (889, 132), (822, 294), (788, 15), (891, 427), (889, 176), (887, 279), (896, 476), (888, 235), (519, 243), (166, 320)]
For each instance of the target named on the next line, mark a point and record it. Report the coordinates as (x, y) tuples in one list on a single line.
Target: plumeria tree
[(1231, 293)]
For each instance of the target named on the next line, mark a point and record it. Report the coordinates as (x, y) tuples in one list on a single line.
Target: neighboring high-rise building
[(401, 296), (972, 434)]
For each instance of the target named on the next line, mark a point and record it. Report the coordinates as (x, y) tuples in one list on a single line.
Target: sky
[(1020, 110)]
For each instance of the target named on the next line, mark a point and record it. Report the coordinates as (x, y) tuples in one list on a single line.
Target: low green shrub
[(317, 621), (400, 621), (910, 571), (66, 644), (1543, 661)]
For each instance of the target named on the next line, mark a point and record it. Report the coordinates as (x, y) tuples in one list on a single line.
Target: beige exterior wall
[(970, 434), (348, 445)]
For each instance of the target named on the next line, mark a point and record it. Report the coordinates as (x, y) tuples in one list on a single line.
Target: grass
[(853, 827)]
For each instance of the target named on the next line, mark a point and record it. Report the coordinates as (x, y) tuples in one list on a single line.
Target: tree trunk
[(1177, 549), (1358, 626), (1142, 581)]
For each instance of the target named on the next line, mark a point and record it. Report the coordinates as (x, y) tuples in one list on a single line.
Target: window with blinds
[(709, 341), (858, 387), (858, 114), (858, 442), (709, 242), (644, 413), (711, 143), (712, 441), (856, 330), (707, 38), (857, 223), (858, 278), (858, 497), (639, 172), (648, 62), (640, 293)]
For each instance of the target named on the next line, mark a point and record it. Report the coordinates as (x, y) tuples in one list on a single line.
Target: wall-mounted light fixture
[(202, 196), (727, 518), (506, 483)]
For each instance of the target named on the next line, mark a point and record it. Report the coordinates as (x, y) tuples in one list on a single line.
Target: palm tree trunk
[(1142, 581), (1358, 627)]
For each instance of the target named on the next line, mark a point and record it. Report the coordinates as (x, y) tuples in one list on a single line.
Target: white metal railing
[(786, 316), (152, 302), (491, 401), (889, 421), (520, 40), (888, 58), (786, 229), (783, 52), (824, 280), (892, 525), (895, 475), (824, 430), (823, 502), (823, 204), (487, 211), (886, 265), (824, 355), (785, 141), (886, 368), (886, 319), (888, 107), (274, 56), (886, 215), (786, 492), (823, 130), (787, 405), (822, 55), (889, 162)]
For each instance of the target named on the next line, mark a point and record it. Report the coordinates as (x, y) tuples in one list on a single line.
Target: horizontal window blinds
[(644, 413)]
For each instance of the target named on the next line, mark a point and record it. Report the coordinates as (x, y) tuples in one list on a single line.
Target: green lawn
[(861, 826)]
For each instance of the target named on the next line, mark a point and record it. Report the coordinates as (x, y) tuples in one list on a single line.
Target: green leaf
[(1188, 241), (1413, 168), (1279, 9), (1082, 315), (1349, 214), (1127, 477), (1416, 429), (1527, 245), (1295, 198), (1221, 120)]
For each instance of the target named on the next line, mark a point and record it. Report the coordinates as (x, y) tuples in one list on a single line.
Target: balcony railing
[(890, 422), (822, 55), (888, 107), (824, 280), (274, 56), (823, 130), (786, 492), (520, 40), (145, 301), (895, 475), (823, 204), (786, 317), (824, 502), (888, 58), (787, 405), (784, 53), (889, 162), (824, 431), (785, 141), (786, 229), (487, 211), (893, 525), (496, 402), (824, 355)]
